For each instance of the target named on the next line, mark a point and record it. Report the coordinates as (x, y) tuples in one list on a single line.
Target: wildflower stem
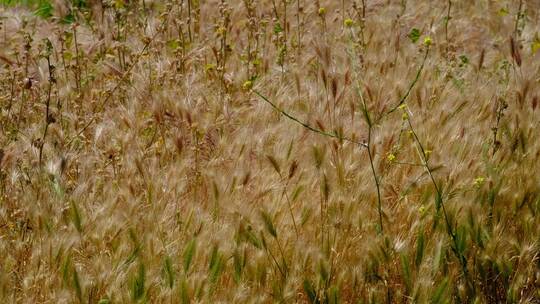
[(411, 86), (376, 179), (461, 258), (369, 122), (307, 126), (449, 8)]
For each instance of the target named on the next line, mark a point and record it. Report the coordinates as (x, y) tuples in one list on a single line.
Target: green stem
[(377, 185), (461, 258), (307, 126), (411, 85)]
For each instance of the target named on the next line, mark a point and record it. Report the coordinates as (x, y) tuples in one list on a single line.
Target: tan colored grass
[(166, 179)]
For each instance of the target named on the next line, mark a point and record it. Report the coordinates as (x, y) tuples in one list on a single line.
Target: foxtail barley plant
[(269, 151)]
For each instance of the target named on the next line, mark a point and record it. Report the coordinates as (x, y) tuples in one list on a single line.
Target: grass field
[(270, 151)]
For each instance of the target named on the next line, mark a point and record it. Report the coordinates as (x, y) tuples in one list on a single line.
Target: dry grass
[(149, 164)]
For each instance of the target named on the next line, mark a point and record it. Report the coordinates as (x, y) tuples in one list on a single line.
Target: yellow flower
[(503, 12), (391, 157), (221, 30), (402, 106), (535, 46), (322, 11), (247, 85), (349, 22), (422, 210), (427, 41), (479, 181), (405, 116), (209, 67)]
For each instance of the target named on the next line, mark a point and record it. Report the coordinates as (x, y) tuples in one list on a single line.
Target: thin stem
[(461, 258), (323, 218), (446, 24), (377, 185), (343, 13), (363, 10), (286, 268), (275, 261), (285, 22), (411, 85), (369, 122), (298, 27), (47, 106), (78, 69), (189, 22), (518, 18), (307, 126), (290, 208), (284, 193)]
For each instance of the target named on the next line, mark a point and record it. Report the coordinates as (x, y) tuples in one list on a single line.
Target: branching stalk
[(411, 85), (309, 127), (449, 229)]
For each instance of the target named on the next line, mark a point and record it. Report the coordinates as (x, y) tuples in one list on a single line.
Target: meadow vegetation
[(270, 151)]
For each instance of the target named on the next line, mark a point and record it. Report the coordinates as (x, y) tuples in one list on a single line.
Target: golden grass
[(271, 151)]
